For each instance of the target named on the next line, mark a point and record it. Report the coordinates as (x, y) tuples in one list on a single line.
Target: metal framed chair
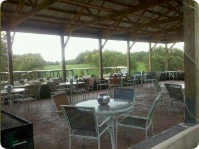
[(82, 123), (176, 95), (114, 81), (149, 77), (142, 123), (53, 88), (58, 100), (80, 89), (157, 87), (31, 92), (101, 82), (123, 93), (91, 84)]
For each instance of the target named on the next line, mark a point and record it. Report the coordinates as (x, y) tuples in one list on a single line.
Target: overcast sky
[(50, 46)]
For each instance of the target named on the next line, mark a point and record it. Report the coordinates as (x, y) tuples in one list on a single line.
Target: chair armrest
[(105, 121), (145, 118)]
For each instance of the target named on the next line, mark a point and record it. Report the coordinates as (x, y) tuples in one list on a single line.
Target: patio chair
[(142, 123), (53, 88), (91, 84), (157, 87), (100, 83), (176, 95), (149, 77), (123, 93), (80, 89), (114, 81), (127, 94), (82, 123), (31, 93), (58, 100)]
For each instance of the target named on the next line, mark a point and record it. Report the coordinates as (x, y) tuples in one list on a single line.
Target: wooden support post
[(100, 58), (191, 60), (150, 50), (129, 47), (63, 45), (128, 58), (10, 62), (166, 56)]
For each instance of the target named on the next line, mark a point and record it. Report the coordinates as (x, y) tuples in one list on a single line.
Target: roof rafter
[(155, 22), (32, 12), (120, 13)]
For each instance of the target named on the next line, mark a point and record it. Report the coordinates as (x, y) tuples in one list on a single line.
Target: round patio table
[(14, 90), (114, 108)]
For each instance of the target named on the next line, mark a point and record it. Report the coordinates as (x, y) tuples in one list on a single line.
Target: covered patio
[(162, 21)]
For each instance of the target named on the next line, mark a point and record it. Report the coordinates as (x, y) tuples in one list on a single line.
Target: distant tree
[(28, 62), (175, 60)]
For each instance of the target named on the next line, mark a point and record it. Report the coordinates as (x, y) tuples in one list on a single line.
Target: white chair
[(136, 122)]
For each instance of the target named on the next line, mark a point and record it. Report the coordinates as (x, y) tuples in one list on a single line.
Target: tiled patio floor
[(46, 122)]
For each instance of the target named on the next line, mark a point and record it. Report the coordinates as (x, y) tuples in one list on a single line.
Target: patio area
[(46, 122)]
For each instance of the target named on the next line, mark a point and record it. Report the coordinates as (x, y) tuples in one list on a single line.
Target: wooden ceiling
[(136, 20)]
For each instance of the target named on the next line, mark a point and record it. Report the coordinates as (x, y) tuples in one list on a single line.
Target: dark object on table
[(16, 133), (103, 99)]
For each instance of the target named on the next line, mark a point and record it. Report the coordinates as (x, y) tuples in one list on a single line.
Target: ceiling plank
[(138, 26), (32, 12), (120, 13)]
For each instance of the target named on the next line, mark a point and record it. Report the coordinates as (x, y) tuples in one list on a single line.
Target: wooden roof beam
[(137, 26), (120, 13), (32, 12)]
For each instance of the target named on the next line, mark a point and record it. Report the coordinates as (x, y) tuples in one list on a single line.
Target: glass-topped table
[(13, 91), (114, 108)]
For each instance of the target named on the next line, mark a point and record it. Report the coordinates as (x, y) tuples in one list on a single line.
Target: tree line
[(31, 61)]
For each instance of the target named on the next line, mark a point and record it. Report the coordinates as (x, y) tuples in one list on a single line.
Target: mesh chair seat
[(134, 122), (90, 133)]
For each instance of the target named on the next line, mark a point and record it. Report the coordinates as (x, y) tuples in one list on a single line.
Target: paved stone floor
[(46, 122)]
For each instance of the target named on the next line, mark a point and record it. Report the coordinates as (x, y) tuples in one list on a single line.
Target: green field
[(76, 72), (140, 67)]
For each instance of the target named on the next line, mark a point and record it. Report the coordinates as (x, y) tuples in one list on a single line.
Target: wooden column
[(100, 58), (63, 59), (166, 56), (10, 62), (150, 50), (191, 59), (128, 58)]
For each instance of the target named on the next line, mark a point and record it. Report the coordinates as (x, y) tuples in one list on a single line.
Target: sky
[(49, 46)]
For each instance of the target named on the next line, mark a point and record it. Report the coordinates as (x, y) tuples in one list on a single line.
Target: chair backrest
[(60, 99), (91, 81), (151, 75), (124, 93), (157, 86), (151, 111), (57, 80), (115, 79), (32, 90), (175, 91), (80, 118), (51, 86)]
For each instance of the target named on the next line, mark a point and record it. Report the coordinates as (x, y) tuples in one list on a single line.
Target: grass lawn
[(76, 72), (140, 67)]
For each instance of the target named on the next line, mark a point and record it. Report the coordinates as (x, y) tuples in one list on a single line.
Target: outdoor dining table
[(115, 108), (71, 85), (13, 91)]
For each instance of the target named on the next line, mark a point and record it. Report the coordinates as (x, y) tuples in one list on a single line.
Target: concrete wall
[(187, 139)]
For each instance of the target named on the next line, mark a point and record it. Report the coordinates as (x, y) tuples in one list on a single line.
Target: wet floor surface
[(47, 124)]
